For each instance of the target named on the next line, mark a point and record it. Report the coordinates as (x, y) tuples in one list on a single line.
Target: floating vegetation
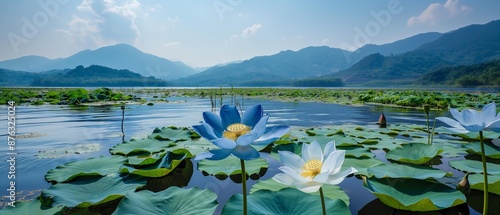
[(30, 135), (151, 175), (69, 151)]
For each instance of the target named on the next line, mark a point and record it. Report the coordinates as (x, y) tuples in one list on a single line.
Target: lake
[(50, 128)]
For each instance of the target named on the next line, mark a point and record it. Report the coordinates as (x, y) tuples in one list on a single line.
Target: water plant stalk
[(244, 185), (433, 127), (123, 119), (485, 174), (322, 200), (428, 130)]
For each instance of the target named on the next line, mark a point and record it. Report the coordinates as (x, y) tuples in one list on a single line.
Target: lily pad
[(91, 167), (174, 200), (193, 146), (330, 191), (413, 194), (286, 201), (357, 152), (414, 153), (29, 208), (405, 171), (491, 152), (388, 143), (160, 168), (141, 160), (179, 177), (133, 146), (172, 133), (474, 166), (360, 164), (476, 181), (92, 191), (232, 166)]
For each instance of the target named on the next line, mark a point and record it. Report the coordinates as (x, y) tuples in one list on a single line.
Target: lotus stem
[(123, 119), (244, 185), (485, 175), (428, 130), (433, 127), (322, 200)]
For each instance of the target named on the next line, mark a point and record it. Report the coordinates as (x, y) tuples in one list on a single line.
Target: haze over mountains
[(403, 61)]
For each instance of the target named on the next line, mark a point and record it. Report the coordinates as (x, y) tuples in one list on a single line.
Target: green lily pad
[(172, 133), (414, 195), (388, 143), (195, 146), (92, 191), (91, 167), (141, 160), (174, 200), (329, 191), (361, 165), (474, 166), (323, 131), (179, 177), (414, 153), (231, 166), (357, 152), (491, 152), (160, 168), (405, 171), (286, 201), (133, 146), (29, 208), (476, 181)]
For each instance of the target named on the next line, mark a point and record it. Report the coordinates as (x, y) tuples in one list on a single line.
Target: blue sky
[(208, 32)]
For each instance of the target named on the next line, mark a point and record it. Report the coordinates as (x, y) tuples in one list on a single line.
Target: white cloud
[(251, 30), (104, 22), (247, 32), (169, 44), (436, 12)]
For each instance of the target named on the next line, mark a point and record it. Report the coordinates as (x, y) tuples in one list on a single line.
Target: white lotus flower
[(315, 168), (469, 120)]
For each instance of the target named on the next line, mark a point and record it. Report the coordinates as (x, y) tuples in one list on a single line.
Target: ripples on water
[(61, 126)]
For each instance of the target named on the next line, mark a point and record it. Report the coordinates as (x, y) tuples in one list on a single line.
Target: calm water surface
[(61, 126)]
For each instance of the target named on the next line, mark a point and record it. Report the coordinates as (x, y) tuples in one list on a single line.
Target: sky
[(204, 33)]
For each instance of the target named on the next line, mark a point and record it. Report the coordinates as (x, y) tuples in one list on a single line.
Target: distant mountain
[(398, 47), (307, 62), (96, 76), (468, 45), (288, 66), (11, 78), (120, 56), (484, 74)]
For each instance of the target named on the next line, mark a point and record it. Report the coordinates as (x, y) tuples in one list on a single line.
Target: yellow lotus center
[(311, 168), (235, 130)]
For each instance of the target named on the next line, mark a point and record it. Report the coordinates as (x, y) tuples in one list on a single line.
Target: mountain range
[(403, 61), (120, 56)]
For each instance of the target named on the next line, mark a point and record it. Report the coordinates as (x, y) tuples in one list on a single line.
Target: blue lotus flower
[(234, 134), (470, 120)]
